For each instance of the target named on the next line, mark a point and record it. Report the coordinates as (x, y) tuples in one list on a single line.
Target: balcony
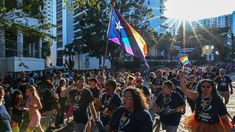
[(79, 14), (162, 7), (163, 17), (164, 26), (163, 0), (18, 64), (77, 27)]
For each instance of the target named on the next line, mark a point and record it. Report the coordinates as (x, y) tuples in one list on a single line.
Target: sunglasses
[(206, 86), (127, 98)]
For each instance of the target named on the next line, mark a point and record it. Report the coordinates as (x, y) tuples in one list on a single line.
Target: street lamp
[(208, 50), (212, 47)]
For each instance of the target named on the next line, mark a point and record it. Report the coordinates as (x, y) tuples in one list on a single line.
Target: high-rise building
[(64, 30), (158, 19), (49, 12), (233, 23), (217, 22)]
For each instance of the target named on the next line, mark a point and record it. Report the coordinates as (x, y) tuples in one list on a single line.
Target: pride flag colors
[(184, 60), (123, 34)]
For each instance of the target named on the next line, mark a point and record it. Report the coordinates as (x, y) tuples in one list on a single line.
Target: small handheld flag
[(184, 60), (122, 33)]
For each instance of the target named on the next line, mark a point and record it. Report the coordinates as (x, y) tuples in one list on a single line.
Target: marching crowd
[(108, 101)]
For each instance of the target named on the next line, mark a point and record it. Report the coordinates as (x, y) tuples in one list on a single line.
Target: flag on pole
[(122, 33), (184, 60)]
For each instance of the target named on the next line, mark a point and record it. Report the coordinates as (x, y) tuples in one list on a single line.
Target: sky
[(198, 9)]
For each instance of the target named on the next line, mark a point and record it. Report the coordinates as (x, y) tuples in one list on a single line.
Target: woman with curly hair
[(210, 111), (133, 116), (33, 106)]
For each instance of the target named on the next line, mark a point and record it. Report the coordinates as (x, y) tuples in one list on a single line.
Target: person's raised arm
[(93, 111), (66, 91), (189, 93)]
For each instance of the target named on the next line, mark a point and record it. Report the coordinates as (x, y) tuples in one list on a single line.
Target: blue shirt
[(5, 120)]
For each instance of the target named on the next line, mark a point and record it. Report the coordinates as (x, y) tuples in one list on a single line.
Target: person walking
[(33, 107), (133, 116), (223, 83), (210, 111), (5, 119), (170, 105)]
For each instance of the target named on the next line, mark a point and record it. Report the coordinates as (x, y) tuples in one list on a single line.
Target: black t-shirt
[(95, 92), (80, 105), (16, 113), (49, 100), (139, 121), (145, 90), (112, 102), (208, 110), (168, 115), (22, 87), (181, 93), (158, 81), (223, 83), (208, 75)]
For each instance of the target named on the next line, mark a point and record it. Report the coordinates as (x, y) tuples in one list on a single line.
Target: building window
[(58, 2), (59, 15), (59, 44), (59, 8), (148, 2), (59, 61)]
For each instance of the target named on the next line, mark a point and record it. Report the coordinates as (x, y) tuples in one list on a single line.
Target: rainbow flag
[(184, 60), (123, 34)]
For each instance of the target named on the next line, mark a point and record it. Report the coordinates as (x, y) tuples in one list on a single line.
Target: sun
[(197, 9)]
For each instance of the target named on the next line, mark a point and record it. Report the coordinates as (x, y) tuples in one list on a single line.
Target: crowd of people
[(108, 101)]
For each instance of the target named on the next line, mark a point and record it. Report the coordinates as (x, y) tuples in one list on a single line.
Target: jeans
[(79, 127), (171, 128)]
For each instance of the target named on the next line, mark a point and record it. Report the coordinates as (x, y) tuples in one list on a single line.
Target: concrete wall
[(84, 62), (18, 64)]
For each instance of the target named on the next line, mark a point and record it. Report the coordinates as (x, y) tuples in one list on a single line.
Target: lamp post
[(210, 52)]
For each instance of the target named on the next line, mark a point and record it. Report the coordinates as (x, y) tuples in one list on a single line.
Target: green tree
[(203, 36), (12, 12), (94, 26), (165, 43)]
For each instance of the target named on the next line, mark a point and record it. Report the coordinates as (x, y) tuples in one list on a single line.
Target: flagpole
[(107, 43), (105, 54)]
